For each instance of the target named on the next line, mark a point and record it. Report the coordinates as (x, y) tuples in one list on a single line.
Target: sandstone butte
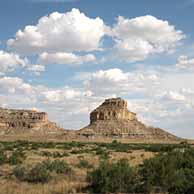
[(111, 119)]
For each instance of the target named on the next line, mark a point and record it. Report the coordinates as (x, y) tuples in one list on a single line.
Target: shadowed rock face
[(15, 121), (112, 118)]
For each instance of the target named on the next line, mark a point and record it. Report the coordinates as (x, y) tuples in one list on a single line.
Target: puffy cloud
[(10, 61), (184, 62), (133, 49), (60, 95), (14, 85), (187, 91), (113, 75), (60, 32), (17, 86), (58, 35), (117, 82), (174, 96), (50, 95), (140, 37), (65, 58), (36, 68)]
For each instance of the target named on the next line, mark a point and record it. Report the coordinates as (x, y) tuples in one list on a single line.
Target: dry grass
[(53, 187), (62, 184), (135, 158), (65, 138)]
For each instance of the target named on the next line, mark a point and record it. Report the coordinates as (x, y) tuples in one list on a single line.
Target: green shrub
[(117, 177), (80, 151), (59, 155), (65, 154), (3, 158), (41, 172), (17, 157), (84, 164), (54, 154), (76, 144), (57, 166), (172, 172), (37, 174), (20, 173), (60, 166), (103, 153), (46, 154)]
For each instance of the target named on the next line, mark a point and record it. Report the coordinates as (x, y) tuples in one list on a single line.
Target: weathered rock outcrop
[(30, 121), (112, 109), (112, 119)]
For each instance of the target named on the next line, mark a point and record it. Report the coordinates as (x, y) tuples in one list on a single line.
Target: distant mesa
[(25, 121), (113, 119)]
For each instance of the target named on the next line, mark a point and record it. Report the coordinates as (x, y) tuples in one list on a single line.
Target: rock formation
[(17, 121), (112, 119), (112, 109)]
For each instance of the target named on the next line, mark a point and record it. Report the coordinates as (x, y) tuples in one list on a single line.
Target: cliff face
[(112, 109), (113, 119), (15, 121)]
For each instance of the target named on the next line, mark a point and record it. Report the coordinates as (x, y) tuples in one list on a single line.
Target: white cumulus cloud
[(14, 85), (174, 96), (10, 61), (139, 37), (184, 62), (60, 32), (116, 81), (65, 58), (36, 68)]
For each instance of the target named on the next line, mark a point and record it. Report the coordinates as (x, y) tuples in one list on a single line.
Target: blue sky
[(66, 56)]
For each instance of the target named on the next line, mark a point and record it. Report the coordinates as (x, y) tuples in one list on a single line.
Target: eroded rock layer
[(17, 121), (113, 119)]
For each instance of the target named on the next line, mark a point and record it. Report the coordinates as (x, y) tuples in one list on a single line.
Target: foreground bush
[(58, 166), (168, 172), (41, 172), (117, 177), (84, 164), (16, 157), (173, 172), (3, 158), (37, 174)]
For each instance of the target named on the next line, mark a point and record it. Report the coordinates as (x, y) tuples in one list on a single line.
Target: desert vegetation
[(77, 167)]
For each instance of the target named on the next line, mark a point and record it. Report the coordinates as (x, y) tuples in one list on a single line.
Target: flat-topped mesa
[(14, 121), (21, 118), (112, 109)]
